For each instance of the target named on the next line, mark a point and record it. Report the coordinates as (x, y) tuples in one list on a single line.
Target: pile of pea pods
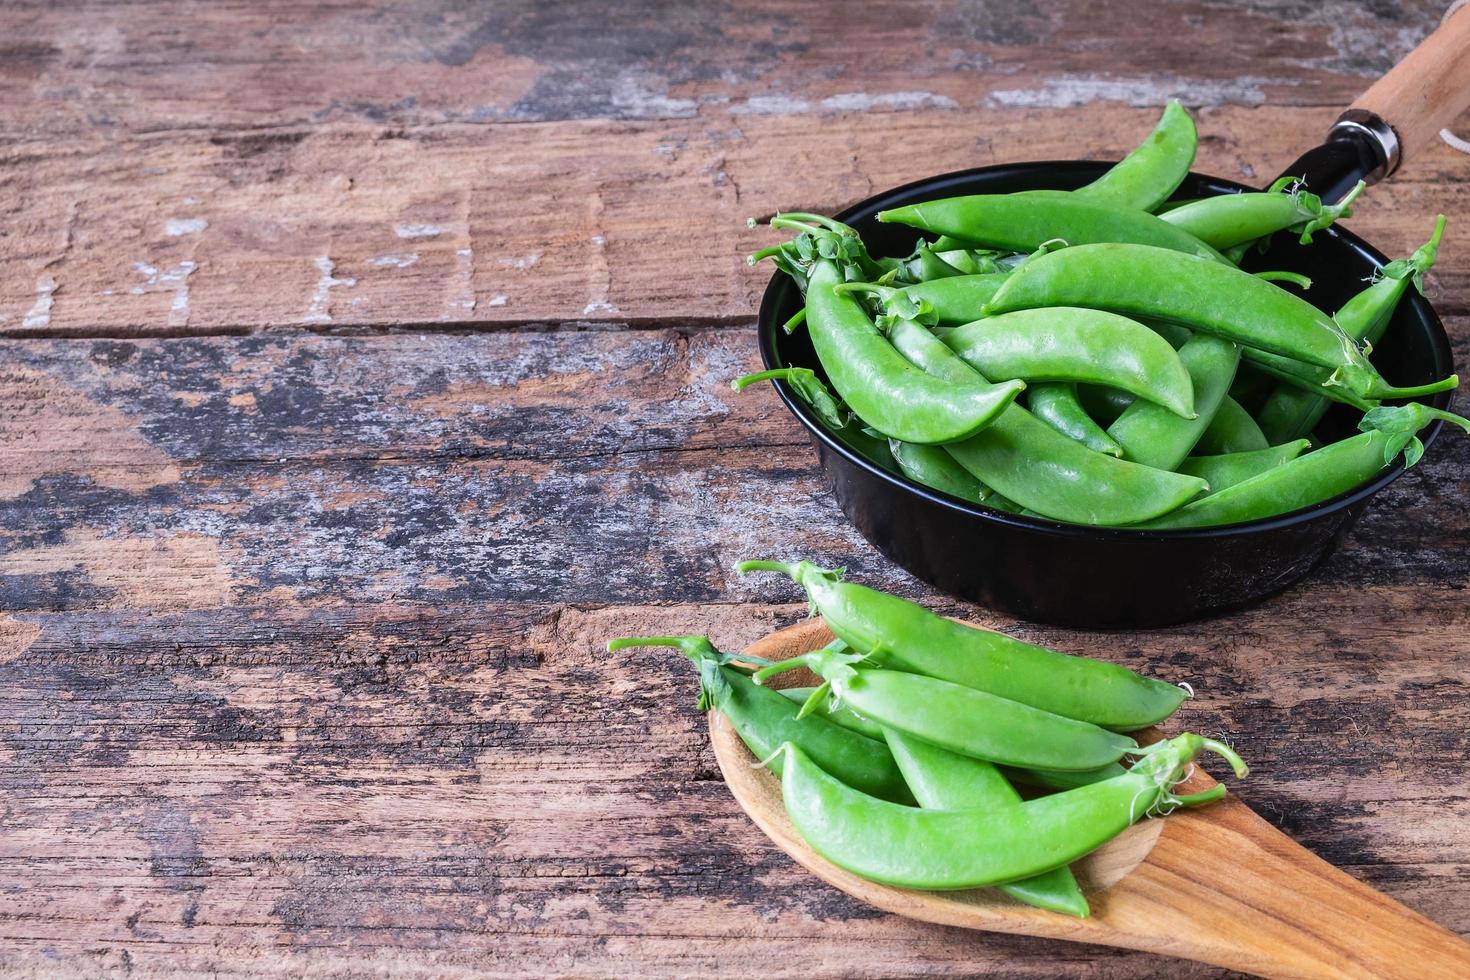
[(1098, 356), (902, 765)]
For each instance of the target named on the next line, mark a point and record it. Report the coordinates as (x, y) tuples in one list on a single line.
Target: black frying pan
[(1100, 577)]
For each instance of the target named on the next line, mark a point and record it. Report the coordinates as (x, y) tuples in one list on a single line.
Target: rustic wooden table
[(365, 369)]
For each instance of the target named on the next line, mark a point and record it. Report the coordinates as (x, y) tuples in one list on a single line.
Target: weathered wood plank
[(499, 467), (231, 746), (261, 780), (354, 228), (139, 67)]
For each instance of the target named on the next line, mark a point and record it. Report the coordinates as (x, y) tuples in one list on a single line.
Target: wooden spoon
[(1217, 884)]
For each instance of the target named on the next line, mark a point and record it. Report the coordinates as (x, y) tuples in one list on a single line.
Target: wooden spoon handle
[(1427, 90), (1237, 892)]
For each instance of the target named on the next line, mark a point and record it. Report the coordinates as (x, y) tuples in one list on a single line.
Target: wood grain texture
[(337, 685), (148, 67), (632, 223), (366, 370)]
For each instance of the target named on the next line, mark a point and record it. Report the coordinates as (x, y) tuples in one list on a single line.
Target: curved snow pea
[(1154, 436), (843, 424), (1319, 475), (837, 714), (1024, 221), (1229, 220), (1056, 403), (1232, 430), (880, 385), (1228, 469), (1209, 297), (951, 301), (765, 720), (1291, 411), (1074, 344), (1037, 468), (942, 780), (951, 849), (1145, 178), (905, 636), (936, 469), (962, 719)]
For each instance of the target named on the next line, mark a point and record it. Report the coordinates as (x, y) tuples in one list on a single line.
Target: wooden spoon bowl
[(1216, 884)]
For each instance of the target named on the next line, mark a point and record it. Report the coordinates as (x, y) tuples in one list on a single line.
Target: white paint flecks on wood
[(418, 231), (175, 280), (40, 313), (176, 227), (393, 261), (320, 309)]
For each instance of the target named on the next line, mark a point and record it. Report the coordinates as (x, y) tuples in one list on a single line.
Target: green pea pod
[(1145, 178), (880, 385), (1208, 297), (1074, 344), (1319, 475), (765, 720), (1236, 219), (1292, 410), (1056, 403), (1228, 469), (1033, 466), (936, 469), (904, 636), (805, 384), (949, 302), (962, 719), (1232, 430), (1153, 435), (939, 850), (837, 714), (942, 780), (1024, 221)]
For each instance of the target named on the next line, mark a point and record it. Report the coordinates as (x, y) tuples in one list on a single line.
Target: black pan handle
[(1399, 116)]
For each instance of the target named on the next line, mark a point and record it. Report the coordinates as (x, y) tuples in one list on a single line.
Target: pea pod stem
[(765, 721)]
